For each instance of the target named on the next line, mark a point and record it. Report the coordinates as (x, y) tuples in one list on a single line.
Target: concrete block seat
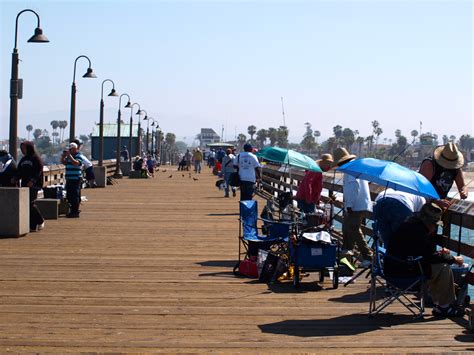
[(48, 207), (15, 216), (137, 174)]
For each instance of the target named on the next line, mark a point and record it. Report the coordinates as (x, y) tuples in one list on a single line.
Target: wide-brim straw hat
[(341, 156), (326, 161), (448, 156), (431, 213)]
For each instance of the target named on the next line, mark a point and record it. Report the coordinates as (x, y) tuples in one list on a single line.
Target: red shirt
[(309, 189)]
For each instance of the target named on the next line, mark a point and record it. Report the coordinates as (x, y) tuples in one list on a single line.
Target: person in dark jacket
[(8, 169), (417, 237), (30, 172)]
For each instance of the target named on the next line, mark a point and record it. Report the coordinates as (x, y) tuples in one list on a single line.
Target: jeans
[(73, 195), (197, 166), (227, 179), (35, 215), (389, 214), (247, 188)]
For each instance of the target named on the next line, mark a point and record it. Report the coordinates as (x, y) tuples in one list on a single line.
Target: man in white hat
[(444, 168), (73, 162), (356, 202)]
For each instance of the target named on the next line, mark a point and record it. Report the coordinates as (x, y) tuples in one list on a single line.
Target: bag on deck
[(248, 267)]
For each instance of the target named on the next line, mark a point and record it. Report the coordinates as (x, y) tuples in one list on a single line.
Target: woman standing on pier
[(30, 172)]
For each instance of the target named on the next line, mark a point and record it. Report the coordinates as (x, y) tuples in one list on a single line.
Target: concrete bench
[(15, 216), (126, 167), (136, 174), (48, 207)]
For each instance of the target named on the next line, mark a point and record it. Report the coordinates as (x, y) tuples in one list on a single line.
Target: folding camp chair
[(250, 237), (409, 291)]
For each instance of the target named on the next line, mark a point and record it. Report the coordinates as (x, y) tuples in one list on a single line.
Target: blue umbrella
[(390, 174)]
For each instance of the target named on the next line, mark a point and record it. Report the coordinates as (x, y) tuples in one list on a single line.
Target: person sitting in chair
[(417, 237)]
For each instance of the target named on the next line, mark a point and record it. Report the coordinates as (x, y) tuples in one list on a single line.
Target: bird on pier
[(195, 179), (164, 171), (170, 176), (182, 175)]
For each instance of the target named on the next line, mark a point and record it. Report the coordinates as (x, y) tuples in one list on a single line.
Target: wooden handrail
[(460, 212), (54, 174)]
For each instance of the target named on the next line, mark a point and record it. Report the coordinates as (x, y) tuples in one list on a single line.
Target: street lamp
[(16, 85), (148, 119), (139, 144), (118, 172), (101, 120), (72, 117), (152, 125), (131, 128)]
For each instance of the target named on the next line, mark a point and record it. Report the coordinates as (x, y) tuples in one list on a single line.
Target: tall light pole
[(118, 172), (101, 120), (139, 143), (16, 85), (130, 141), (72, 116), (148, 119), (152, 134)]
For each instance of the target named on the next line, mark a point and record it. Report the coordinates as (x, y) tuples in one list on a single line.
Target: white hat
[(72, 145)]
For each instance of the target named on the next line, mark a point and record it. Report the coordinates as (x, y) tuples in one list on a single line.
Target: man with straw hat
[(444, 168), (356, 202), (309, 189), (417, 237)]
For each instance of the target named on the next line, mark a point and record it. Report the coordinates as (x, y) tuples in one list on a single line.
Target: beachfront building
[(208, 136), (110, 141)]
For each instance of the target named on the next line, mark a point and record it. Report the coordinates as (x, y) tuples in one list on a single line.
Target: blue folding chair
[(408, 290), (250, 237)]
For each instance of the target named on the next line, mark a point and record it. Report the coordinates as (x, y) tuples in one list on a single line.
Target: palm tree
[(262, 135), (317, 134), (37, 133), (62, 127), (414, 134), (452, 138), (251, 131), (29, 128), (360, 142), (55, 125), (445, 139), (272, 135)]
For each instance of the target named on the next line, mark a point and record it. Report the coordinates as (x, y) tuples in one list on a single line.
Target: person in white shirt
[(227, 169), (249, 172), (391, 209), (356, 203)]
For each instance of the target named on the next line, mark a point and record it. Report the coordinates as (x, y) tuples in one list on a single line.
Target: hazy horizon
[(193, 64)]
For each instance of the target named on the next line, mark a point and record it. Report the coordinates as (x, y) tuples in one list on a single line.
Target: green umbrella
[(288, 157)]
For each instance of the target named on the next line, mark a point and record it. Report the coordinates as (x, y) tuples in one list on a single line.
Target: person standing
[(188, 157), (356, 203), (72, 159), (197, 158), (87, 165), (443, 169), (124, 154), (249, 172), (309, 189), (227, 170), (30, 172)]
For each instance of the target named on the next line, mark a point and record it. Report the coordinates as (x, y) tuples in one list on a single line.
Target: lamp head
[(139, 112), (38, 37), (113, 93), (128, 105), (90, 74)]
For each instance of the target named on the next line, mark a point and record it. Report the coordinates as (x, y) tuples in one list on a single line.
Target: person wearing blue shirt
[(72, 159)]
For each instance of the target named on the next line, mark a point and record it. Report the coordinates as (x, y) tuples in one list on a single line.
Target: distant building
[(208, 136), (110, 140)]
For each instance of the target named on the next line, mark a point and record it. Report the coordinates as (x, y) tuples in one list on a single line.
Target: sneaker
[(233, 193), (72, 215), (226, 195), (447, 312), (365, 263), (32, 230), (40, 226)]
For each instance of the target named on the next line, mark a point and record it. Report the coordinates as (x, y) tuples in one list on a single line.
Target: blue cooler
[(315, 255)]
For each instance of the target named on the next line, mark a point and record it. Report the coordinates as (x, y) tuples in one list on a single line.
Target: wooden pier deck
[(148, 268)]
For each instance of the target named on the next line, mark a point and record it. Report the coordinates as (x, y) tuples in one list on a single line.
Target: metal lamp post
[(72, 117), (153, 138), (118, 171), (139, 144), (130, 141), (16, 85), (101, 119)]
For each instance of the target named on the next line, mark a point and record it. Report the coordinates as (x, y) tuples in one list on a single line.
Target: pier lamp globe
[(72, 116), (16, 84), (139, 142)]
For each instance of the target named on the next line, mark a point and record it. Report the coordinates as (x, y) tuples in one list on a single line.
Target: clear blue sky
[(194, 64)]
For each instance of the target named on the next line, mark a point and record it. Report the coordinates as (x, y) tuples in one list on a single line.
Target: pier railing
[(54, 174), (460, 214)]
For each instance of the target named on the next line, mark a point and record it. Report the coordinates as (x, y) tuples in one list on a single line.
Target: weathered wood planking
[(148, 268)]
